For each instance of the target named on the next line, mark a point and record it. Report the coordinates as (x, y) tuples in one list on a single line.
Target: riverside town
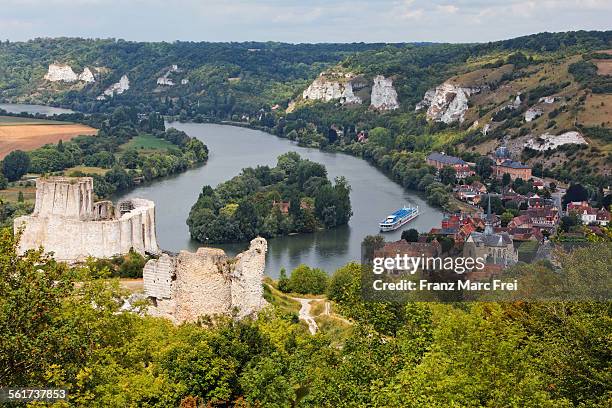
[(253, 204)]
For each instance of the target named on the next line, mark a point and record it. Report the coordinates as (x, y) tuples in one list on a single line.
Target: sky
[(299, 21)]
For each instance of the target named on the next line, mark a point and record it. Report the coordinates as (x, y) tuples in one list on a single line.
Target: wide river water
[(33, 109), (373, 195)]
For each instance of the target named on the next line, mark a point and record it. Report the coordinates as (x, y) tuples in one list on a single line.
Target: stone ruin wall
[(68, 223), (190, 285)]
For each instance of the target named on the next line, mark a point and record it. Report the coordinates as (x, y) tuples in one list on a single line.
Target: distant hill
[(472, 97)]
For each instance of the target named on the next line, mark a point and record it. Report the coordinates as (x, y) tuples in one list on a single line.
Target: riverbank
[(373, 197)]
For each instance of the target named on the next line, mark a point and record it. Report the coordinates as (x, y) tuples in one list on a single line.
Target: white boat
[(399, 218)]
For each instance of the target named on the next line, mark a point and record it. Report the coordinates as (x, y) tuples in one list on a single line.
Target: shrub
[(342, 282), (131, 265), (283, 282), (3, 182), (306, 280)]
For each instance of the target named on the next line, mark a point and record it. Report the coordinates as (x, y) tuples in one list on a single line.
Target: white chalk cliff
[(447, 102), (87, 76), (118, 87), (384, 96), (549, 141), (532, 113), (64, 73), (332, 86)]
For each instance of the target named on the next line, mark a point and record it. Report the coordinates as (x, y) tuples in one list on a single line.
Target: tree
[(20, 198), (332, 136), (575, 192), (446, 243), (382, 137), (410, 235), (448, 175), (119, 178), (342, 281), (132, 265), (484, 167), (506, 179), (568, 222), (130, 159), (3, 182), (306, 280), (506, 217), (370, 244), (283, 282), (15, 165)]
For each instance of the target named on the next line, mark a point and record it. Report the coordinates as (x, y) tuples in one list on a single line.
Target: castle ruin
[(189, 285), (67, 222)]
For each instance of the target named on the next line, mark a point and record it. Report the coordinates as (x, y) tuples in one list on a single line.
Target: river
[(33, 109), (373, 197)]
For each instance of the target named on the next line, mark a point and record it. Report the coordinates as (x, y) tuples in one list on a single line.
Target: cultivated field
[(25, 135), (604, 67)]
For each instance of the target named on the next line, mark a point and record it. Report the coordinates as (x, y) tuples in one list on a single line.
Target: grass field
[(604, 67), (14, 120), (597, 111), (12, 193), (86, 170), (24, 136), (147, 142)]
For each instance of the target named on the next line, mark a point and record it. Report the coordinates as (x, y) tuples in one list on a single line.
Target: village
[(512, 217)]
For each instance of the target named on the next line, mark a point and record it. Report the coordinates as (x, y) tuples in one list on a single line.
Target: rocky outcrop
[(532, 113), (68, 223), (332, 86), (486, 128), (87, 76), (384, 96), (190, 285), (448, 102), (547, 99), (548, 141), (117, 88), (64, 73), (165, 80)]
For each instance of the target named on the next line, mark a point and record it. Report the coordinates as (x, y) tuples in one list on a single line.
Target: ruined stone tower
[(207, 282), (68, 223), (67, 197)]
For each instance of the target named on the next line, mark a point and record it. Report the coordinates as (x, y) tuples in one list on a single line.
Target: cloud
[(447, 8), (298, 20), (14, 24)]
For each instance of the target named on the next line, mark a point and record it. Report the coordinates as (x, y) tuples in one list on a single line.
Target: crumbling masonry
[(68, 223), (185, 287)]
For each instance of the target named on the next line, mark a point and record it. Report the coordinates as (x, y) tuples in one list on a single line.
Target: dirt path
[(306, 316)]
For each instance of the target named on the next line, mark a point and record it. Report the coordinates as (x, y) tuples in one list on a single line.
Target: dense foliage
[(294, 196), (304, 280), (107, 150), (15, 165), (423, 355), (223, 77)]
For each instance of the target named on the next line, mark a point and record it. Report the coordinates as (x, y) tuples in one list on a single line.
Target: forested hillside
[(223, 77), (546, 97)]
